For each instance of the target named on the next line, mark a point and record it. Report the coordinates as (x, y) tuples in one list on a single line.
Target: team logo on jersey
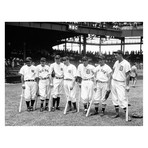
[(121, 68), (103, 71), (32, 71), (69, 71), (87, 71)]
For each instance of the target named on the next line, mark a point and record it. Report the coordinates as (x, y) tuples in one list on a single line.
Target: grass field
[(57, 118)]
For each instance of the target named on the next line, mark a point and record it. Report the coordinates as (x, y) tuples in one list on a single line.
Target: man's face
[(85, 63), (101, 61), (117, 56), (66, 62), (57, 60), (43, 63), (28, 63)]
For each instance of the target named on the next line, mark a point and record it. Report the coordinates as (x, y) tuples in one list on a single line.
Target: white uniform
[(58, 79), (44, 87), (69, 76), (119, 82), (102, 79), (29, 73), (87, 75)]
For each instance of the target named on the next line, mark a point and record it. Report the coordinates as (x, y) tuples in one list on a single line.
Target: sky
[(94, 48)]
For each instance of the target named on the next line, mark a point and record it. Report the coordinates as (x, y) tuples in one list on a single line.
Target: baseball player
[(29, 84), (44, 81), (103, 82), (69, 83), (57, 74), (133, 74), (120, 82), (86, 72)]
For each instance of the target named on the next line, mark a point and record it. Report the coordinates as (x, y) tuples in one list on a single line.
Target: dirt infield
[(57, 118)]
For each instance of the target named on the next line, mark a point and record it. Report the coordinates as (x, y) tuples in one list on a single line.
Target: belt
[(68, 79), (86, 79), (44, 78), (118, 80), (101, 81), (59, 77), (29, 80)]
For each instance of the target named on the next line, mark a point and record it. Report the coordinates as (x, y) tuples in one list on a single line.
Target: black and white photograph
[(74, 73)]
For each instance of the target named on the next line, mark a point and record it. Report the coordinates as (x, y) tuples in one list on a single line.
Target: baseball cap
[(65, 58), (118, 52), (101, 57), (85, 58), (43, 59), (28, 59), (57, 57)]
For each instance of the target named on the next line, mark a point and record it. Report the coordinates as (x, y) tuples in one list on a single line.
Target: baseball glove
[(78, 79), (53, 74), (107, 94), (135, 115)]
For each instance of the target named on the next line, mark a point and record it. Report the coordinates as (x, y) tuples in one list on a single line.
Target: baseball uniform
[(119, 83)]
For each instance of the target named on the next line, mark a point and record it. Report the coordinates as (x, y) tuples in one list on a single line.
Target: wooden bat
[(89, 108), (79, 98), (21, 101), (126, 116), (66, 106)]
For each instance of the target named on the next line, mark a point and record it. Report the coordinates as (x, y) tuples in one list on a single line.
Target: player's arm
[(109, 80)]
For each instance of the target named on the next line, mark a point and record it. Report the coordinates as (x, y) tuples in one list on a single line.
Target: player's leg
[(103, 93), (27, 95), (33, 93), (114, 95), (73, 96)]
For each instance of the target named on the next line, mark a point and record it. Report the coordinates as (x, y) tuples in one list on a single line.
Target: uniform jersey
[(29, 72), (69, 71), (102, 72), (120, 70), (133, 71), (86, 72), (43, 72), (58, 69)]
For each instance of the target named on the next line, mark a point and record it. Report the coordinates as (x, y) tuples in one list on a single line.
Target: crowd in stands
[(110, 25)]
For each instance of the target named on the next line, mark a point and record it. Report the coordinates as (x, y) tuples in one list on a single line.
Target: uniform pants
[(57, 89), (30, 91), (99, 95), (118, 93), (70, 94), (86, 90), (44, 89)]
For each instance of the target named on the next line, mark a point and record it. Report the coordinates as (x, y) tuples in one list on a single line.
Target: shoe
[(31, 108), (47, 108), (95, 113), (74, 111), (28, 109), (115, 116), (129, 104), (41, 109), (53, 109), (70, 109), (85, 111), (102, 114), (58, 108)]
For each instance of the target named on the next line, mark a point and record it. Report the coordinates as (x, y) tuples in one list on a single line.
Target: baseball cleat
[(102, 114), (53, 109), (74, 111), (115, 116), (58, 108), (46, 108), (31, 108), (41, 109)]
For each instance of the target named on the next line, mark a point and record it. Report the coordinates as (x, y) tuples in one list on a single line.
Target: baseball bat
[(66, 106), (79, 98), (36, 102), (21, 101), (126, 116), (89, 108)]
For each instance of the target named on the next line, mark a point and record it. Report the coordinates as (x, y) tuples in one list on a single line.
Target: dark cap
[(85, 58), (65, 58), (102, 57), (57, 57), (118, 52), (28, 59), (43, 59)]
